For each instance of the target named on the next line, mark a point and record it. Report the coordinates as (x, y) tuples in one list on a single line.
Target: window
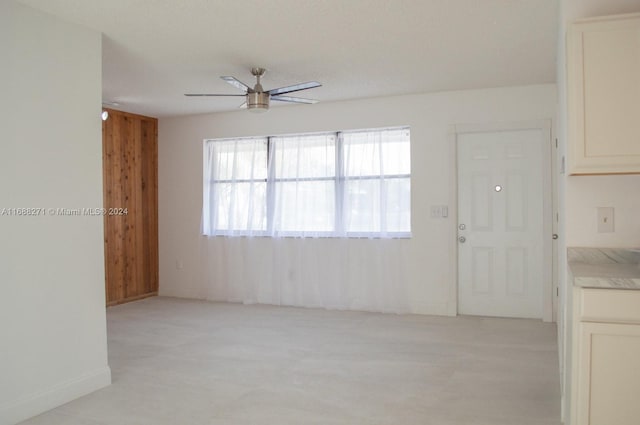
[(235, 182), (304, 184), (377, 182), (355, 183)]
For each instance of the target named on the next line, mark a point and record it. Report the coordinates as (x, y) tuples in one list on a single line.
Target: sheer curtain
[(334, 184), (235, 187), (302, 171), (353, 184), (377, 183), (333, 273)]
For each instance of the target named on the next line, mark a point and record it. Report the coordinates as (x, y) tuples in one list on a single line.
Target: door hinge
[(556, 143)]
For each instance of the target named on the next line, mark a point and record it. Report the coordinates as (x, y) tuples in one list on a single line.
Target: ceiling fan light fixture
[(257, 99), (258, 102)]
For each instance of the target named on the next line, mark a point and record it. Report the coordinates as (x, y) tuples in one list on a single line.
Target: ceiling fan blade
[(295, 87), (293, 99), (209, 94), (238, 84)]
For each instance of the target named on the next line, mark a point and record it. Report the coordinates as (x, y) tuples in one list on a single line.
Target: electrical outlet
[(605, 220)]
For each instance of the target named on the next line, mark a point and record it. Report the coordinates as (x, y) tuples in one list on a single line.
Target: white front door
[(500, 223)]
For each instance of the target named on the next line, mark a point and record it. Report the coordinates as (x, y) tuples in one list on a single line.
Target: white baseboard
[(34, 404), (430, 308)]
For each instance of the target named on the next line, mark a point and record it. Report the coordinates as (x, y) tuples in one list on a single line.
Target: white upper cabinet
[(604, 95)]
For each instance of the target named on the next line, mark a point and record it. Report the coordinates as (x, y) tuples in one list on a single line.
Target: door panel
[(481, 212), (516, 203), (517, 271), (500, 203), (482, 270)]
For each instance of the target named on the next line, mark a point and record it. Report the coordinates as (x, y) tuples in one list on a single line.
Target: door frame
[(548, 205)]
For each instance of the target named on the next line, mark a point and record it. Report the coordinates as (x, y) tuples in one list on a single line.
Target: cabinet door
[(604, 95), (609, 375)]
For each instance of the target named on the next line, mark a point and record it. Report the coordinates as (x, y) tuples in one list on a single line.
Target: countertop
[(612, 268)]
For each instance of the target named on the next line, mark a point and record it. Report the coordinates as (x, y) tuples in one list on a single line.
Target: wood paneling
[(130, 168)]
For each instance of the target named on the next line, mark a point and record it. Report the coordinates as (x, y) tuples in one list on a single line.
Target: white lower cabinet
[(605, 357), (608, 372)]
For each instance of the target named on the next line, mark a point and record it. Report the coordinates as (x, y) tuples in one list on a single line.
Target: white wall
[(585, 194), (52, 307), (428, 260)]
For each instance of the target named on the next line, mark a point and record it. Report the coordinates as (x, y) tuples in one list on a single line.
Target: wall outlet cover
[(605, 220)]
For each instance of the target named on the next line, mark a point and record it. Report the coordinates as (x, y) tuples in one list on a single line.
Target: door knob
[(462, 239)]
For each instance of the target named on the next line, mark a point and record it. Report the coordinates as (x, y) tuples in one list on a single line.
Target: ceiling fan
[(257, 99)]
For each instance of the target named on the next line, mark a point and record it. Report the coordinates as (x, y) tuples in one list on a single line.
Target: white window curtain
[(333, 273), (377, 183), (303, 190), (334, 184), (235, 187), (340, 184)]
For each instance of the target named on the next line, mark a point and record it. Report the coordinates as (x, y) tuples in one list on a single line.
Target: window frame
[(214, 181), (339, 180), (371, 234)]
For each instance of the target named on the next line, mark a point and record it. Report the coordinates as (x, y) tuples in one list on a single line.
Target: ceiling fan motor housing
[(258, 101)]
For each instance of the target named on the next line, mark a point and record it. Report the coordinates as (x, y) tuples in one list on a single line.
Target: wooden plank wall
[(130, 179)]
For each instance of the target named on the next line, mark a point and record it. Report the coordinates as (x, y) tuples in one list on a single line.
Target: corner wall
[(52, 304), (184, 253)]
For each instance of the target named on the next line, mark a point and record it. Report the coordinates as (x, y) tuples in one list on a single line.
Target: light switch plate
[(605, 220), (439, 211)]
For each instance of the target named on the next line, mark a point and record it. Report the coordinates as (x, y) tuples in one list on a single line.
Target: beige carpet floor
[(184, 362)]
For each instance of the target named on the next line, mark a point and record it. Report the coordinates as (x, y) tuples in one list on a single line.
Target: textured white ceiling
[(156, 50)]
